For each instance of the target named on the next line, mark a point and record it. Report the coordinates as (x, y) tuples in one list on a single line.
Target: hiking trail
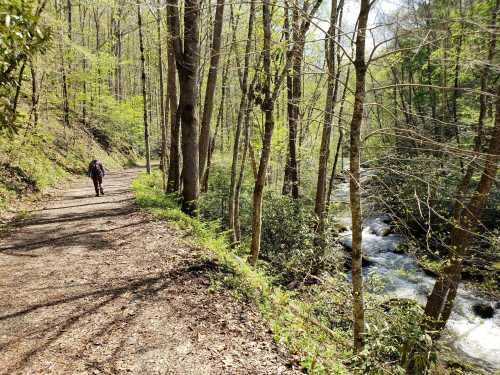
[(90, 285)]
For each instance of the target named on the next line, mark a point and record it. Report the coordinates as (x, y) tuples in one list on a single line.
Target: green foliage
[(21, 37), (395, 340), (290, 243)]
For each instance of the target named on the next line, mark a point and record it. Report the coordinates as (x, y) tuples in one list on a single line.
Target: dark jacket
[(96, 169)]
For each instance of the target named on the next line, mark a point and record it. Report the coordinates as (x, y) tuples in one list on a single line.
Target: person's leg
[(100, 185), (96, 185)]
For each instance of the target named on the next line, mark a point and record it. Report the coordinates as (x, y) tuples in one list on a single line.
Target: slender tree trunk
[(220, 117), (338, 149), (458, 52), (117, 31), (237, 223), (144, 95), (173, 181), (354, 180), (83, 15), (233, 201), (34, 94), (210, 90), (163, 110), (294, 86), (64, 82), (19, 84), (69, 7), (324, 152), (267, 107)]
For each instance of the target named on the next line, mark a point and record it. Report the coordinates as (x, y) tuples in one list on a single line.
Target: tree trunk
[(324, 153), (458, 51), (338, 149), (294, 92), (70, 19), (173, 181), (163, 115), (144, 96), (34, 94), (233, 197), (237, 223), (188, 78), (354, 180), (210, 90), (267, 107), (117, 32), (220, 117)]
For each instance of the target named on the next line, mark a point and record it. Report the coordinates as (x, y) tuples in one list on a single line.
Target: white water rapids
[(467, 334)]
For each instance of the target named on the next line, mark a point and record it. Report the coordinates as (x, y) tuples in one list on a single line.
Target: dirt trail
[(92, 286)]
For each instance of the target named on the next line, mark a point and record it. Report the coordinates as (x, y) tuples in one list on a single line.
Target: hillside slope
[(37, 159)]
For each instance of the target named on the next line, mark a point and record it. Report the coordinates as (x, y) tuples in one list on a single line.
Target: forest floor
[(91, 285)]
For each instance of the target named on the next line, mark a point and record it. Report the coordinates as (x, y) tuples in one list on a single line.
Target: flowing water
[(467, 334)]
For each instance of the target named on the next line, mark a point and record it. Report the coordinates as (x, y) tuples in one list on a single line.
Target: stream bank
[(473, 330)]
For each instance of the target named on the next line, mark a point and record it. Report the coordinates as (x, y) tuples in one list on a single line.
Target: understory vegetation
[(313, 320)]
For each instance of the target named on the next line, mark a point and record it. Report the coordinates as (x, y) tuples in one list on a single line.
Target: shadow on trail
[(82, 238), (81, 216), (91, 303), (84, 205)]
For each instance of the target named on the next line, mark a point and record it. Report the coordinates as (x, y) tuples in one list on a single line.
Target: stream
[(468, 334)]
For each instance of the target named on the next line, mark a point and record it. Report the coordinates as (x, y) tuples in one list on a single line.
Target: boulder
[(472, 274), (483, 310)]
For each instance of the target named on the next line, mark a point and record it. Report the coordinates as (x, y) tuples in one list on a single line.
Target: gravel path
[(92, 286)]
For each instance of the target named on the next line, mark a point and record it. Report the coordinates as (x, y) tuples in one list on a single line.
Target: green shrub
[(290, 243)]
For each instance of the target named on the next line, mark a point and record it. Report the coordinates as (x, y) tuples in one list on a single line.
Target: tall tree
[(360, 67), (301, 21), (144, 94), (162, 102), (233, 202), (173, 181), (187, 61), (324, 152), (267, 108), (210, 89)]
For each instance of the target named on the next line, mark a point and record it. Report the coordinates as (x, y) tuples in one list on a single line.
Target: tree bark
[(338, 149), (220, 118), (144, 95), (173, 181), (354, 180), (163, 107), (324, 153), (187, 66), (294, 93), (233, 201), (34, 94), (210, 89), (267, 107)]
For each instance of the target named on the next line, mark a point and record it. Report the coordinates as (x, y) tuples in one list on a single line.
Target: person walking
[(96, 173)]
